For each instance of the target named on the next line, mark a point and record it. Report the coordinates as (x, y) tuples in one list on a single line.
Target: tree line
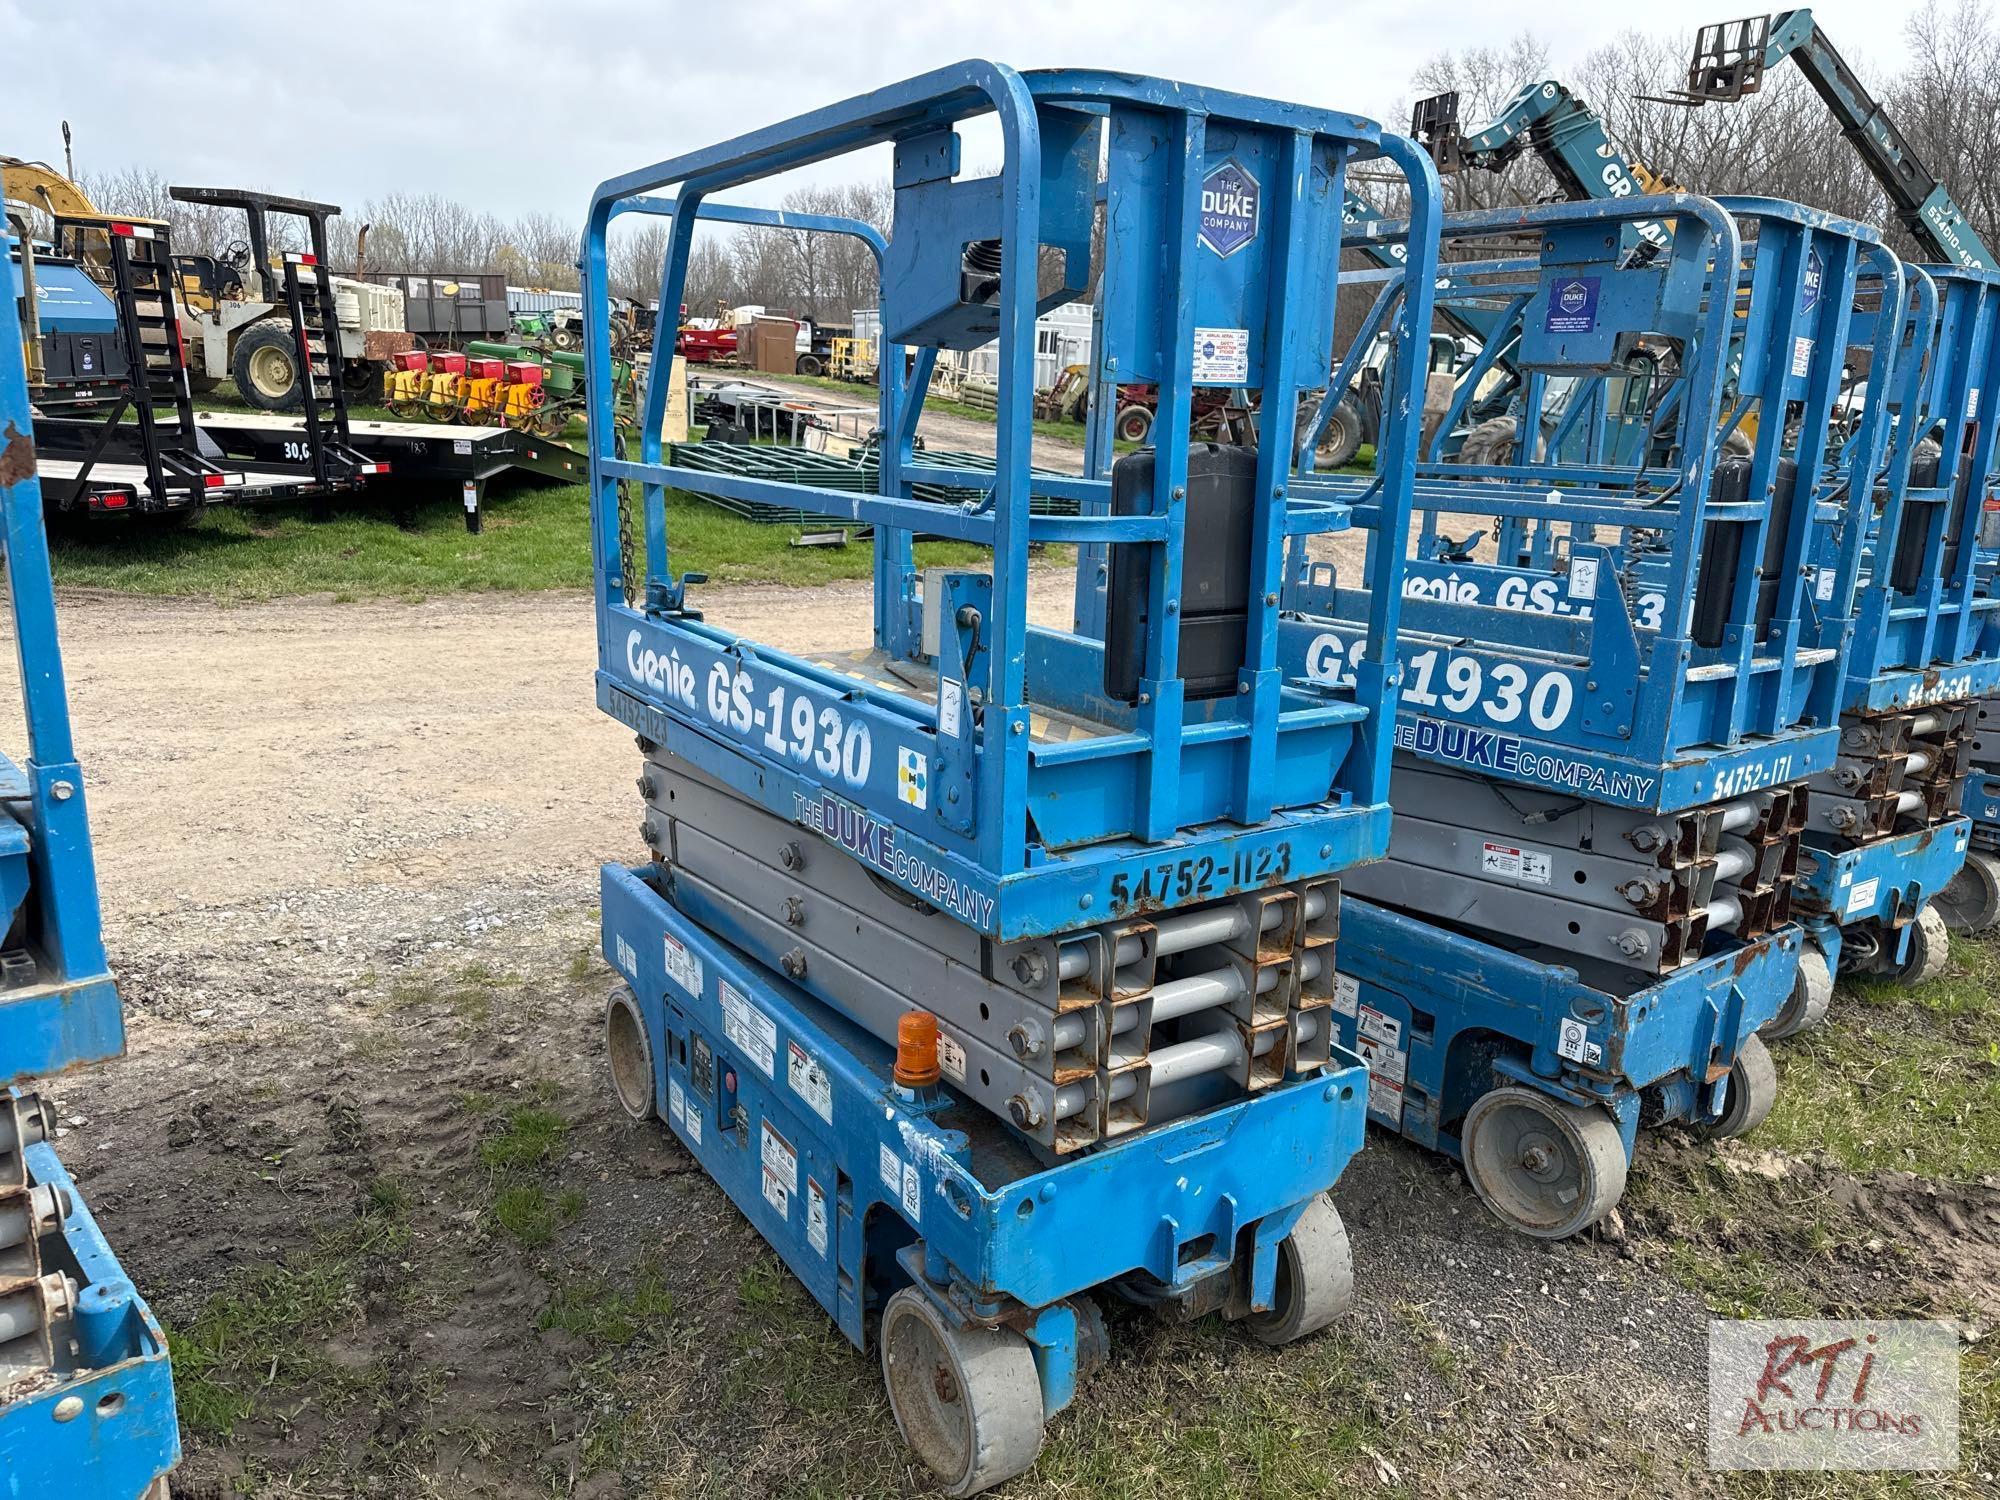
[(823, 277), (1779, 142)]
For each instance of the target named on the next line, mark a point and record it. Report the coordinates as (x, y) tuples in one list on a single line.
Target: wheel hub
[(943, 1384)]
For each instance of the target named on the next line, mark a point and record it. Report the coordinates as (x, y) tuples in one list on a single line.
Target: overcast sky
[(512, 107)]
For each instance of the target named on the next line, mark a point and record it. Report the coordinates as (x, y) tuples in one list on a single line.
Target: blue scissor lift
[(1887, 866), (1616, 681), (1107, 869), (86, 1398)]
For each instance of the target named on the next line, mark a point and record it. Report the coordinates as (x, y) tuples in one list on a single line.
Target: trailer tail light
[(214, 481), (110, 501)]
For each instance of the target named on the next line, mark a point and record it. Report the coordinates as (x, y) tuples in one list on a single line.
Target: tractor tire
[(1491, 442), (808, 364), (1134, 424), (265, 367), (1342, 438), (565, 338)]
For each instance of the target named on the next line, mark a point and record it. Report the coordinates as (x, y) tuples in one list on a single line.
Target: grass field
[(402, 544), (534, 538)]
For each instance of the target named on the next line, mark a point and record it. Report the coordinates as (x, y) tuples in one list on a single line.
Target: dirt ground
[(362, 1158)]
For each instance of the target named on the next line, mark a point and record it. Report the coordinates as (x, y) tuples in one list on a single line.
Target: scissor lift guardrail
[(1106, 870), (86, 1400), (1895, 862), (1608, 712)]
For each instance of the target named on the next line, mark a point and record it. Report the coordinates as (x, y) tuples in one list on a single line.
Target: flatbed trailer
[(111, 488), (468, 456)]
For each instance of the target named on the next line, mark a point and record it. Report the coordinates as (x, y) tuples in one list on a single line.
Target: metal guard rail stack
[(1618, 671)]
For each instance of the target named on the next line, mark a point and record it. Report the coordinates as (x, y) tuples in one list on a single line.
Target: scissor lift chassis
[(98, 1421), (1446, 1021), (791, 1107)]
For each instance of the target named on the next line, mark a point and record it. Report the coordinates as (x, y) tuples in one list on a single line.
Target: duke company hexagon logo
[(1230, 203)]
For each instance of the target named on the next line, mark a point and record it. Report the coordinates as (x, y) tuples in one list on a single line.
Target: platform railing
[(1165, 765)]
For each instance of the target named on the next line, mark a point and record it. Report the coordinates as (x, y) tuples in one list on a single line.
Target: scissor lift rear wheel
[(967, 1399), (1812, 993), (1971, 903), (1546, 1167), (1315, 1277)]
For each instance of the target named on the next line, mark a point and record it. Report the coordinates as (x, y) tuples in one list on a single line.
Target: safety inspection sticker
[(781, 1170), (1221, 356), (1510, 863), (676, 1101), (1346, 994), (755, 1033), (951, 1058), (1387, 1068), (808, 1080), (1582, 577), (816, 1215), (1377, 1027), (1573, 1042), (682, 966), (692, 1122), (951, 703), (891, 1167), (1802, 348)]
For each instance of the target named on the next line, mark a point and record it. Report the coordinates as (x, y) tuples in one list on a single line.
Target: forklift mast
[(1547, 118), (1730, 60)]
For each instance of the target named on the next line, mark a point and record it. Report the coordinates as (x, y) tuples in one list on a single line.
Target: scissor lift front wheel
[(1545, 1166), (1812, 994), (630, 1051), (967, 1398), (1751, 1091), (1929, 946), (1315, 1281)]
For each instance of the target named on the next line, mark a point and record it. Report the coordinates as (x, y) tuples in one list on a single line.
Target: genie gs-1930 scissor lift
[(1617, 679), (86, 1400), (992, 965), (1889, 865)]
